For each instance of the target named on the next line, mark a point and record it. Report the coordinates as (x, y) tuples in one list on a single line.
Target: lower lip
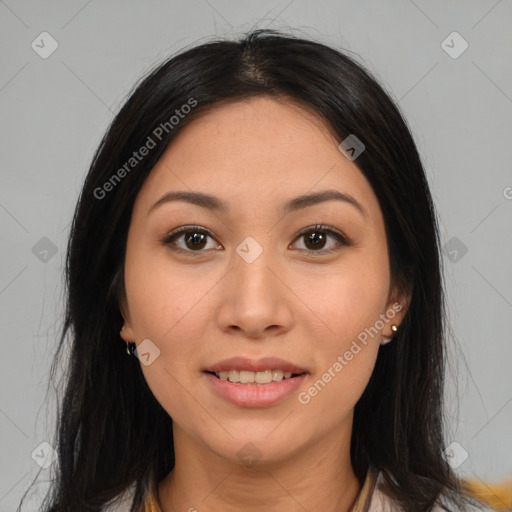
[(255, 395)]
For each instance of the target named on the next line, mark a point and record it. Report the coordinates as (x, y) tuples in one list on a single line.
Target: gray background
[(54, 112)]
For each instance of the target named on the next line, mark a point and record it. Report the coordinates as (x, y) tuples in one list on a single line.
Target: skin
[(292, 302)]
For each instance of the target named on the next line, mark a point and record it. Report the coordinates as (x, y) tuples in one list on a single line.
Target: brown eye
[(195, 239), (316, 239), (190, 239)]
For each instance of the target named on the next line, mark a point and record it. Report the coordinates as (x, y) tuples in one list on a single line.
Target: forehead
[(259, 149), (279, 126)]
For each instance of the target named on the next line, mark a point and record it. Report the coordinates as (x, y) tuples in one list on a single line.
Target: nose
[(255, 300)]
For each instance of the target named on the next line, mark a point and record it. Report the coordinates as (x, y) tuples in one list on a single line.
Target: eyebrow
[(297, 203)]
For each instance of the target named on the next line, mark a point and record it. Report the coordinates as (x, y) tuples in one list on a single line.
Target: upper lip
[(254, 365)]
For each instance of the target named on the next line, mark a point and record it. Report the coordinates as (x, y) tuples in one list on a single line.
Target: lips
[(252, 365), (254, 395)]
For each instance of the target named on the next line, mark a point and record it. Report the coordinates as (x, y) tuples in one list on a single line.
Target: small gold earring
[(386, 340)]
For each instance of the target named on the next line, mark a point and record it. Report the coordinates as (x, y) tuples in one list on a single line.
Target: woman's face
[(255, 279)]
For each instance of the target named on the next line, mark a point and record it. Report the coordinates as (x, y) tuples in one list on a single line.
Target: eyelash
[(342, 240)]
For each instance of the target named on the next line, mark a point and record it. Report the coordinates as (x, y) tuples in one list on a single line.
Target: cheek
[(333, 393), (347, 299), (160, 294), (349, 305), (165, 305), (170, 306)]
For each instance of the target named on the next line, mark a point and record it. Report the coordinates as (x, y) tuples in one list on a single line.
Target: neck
[(319, 477)]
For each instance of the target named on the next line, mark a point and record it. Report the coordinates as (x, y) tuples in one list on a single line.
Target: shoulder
[(380, 502)]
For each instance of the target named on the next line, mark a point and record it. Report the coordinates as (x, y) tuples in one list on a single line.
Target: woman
[(258, 225)]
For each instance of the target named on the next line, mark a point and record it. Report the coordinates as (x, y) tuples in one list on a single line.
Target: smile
[(252, 393), (249, 377)]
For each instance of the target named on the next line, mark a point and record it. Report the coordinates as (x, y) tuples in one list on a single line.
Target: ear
[(396, 308), (127, 332)]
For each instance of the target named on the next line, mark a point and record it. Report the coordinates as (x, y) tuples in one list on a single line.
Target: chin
[(255, 447)]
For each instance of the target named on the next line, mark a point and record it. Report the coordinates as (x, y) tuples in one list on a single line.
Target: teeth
[(263, 377), (248, 377), (277, 375)]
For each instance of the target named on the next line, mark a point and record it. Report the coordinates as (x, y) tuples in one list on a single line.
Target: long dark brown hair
[(112, 433)]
